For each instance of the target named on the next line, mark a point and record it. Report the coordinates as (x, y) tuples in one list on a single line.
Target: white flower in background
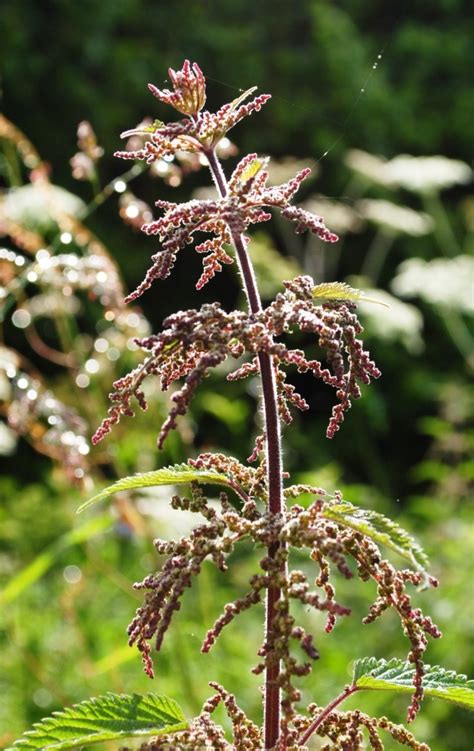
[(399, 321), (282, 170), (395, 218), (51, 304), (426, 174), (420, 174), (369, 166), (442, 281), (35, 205), (337, 215)]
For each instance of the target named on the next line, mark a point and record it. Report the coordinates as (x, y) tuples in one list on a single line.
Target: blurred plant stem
[(460, 335), (443, 230), (10, 164), (377, 254), (109, 189)]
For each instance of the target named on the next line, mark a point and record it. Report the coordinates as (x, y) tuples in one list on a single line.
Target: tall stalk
[(190, 344), (274, 462)]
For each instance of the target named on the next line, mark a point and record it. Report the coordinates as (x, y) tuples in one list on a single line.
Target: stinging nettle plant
[(256, 502)]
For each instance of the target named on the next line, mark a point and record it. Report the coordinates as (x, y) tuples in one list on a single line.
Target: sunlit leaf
[(142, 129), (236, 102), (253, 169), (179, 474), (105, 718), (396, 675), (333, 291), (379, 528), (156, 125)]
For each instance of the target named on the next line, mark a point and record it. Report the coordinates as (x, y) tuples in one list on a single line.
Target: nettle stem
[(348, 691), (274, 461)]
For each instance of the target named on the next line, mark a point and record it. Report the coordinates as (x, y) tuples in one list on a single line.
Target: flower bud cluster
[(245, 203), (330, 544), (185, 558), (193, 342), (201, 130), (204, 735), (189, 94), (337, 327), (347, 730)]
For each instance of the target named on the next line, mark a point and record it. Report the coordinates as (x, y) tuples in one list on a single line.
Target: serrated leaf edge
[(328, 291), (152, 479), (53, 722), (384, 675), (408, 548)]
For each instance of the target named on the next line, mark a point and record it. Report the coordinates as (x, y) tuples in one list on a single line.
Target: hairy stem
[(326, 711), (274, 462)]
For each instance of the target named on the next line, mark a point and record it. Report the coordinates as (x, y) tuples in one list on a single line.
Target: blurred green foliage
[(407, 447)]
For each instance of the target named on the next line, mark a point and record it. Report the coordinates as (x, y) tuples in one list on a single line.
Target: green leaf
[(330, 291), (253, 169), (38, 567), (179, 474), (379, 528), (397, 675), (156, 125), (105, 718)]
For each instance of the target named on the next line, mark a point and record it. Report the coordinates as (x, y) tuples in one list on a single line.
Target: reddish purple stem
[(274, 464), (326, 711)]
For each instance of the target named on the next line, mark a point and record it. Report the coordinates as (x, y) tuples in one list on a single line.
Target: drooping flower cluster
[(331, 543), (337, 327), (226, 218), (195, 341), (203, 733), (346, 730)]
